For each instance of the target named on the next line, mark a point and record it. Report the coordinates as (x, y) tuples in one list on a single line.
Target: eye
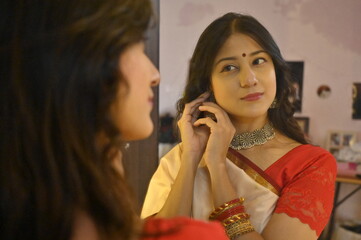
[(259, 61), (228, 68)]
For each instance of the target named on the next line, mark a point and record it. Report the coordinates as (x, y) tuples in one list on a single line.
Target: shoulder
[(174, 153), (84, 228), (302, 161), (313, 149), (308, 154), (315, 156), (171, 160), (167, 170), (312, 163), (182, 228)]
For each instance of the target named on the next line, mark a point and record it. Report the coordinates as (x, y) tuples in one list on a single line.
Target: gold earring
[(274, 104)]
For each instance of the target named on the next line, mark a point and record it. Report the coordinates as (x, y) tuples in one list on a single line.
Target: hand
[(221, 133), (194, 138)]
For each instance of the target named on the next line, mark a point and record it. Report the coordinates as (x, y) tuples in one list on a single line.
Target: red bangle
[(237, 201), (230, 212)]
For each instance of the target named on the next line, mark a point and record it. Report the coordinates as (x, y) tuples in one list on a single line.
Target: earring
[(274, 104)]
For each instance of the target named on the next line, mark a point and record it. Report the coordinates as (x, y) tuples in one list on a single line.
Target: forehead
[(237, 44)]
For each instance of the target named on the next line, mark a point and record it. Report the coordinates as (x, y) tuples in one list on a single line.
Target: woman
[(240, 143), (72, 73)]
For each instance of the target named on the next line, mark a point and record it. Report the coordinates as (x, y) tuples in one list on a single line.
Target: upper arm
[(283, 227)]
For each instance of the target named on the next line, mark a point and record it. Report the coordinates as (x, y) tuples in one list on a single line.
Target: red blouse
[(306, 176), (182, 228)]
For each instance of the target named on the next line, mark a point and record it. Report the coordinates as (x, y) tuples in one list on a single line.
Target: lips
[(252, 97)]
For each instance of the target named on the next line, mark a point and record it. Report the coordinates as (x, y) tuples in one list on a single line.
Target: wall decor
[(356, 101), (297, 81)]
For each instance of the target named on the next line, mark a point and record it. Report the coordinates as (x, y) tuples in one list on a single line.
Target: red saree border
[(253, 171)]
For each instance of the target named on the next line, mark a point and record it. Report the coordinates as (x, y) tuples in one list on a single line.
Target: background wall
[(325, 34)]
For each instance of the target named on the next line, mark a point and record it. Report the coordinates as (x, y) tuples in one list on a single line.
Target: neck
[(257, 137), (248, 124), (101, 141)]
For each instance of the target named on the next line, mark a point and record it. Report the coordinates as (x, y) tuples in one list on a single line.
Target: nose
[(248, 78), (155, 76)]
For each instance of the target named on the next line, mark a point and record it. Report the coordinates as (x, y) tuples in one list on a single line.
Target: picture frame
[(303, 122), (356, 101), (336, 140), (296, 70)]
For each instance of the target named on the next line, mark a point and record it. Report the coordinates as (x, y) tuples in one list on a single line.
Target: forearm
[(222, 188), (224, 191), (179, 201)]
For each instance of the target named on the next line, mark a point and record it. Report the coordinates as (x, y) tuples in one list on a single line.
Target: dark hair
[(59, 76), (201, 64)]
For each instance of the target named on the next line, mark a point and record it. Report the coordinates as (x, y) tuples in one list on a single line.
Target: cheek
[(271, 82), (221, 88), (216, 89)]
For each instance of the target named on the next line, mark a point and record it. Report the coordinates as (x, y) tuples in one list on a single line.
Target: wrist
[(217, 168), (190, 161)]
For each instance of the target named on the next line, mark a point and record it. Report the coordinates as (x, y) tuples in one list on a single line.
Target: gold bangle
[(239, 228), (241, 217)]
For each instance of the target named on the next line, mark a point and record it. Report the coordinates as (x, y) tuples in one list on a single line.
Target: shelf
[(352, 180)]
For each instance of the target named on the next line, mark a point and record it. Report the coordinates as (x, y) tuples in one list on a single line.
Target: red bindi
[(243, 54)]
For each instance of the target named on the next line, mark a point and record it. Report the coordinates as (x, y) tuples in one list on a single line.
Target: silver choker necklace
[(250, 139)]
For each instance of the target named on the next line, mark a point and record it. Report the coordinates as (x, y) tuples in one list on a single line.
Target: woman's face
[(243, 78), (131, 111)]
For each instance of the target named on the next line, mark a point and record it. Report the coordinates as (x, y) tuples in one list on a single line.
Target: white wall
[(325, 34)]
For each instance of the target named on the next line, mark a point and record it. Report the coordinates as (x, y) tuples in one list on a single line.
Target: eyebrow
[(235, 58)]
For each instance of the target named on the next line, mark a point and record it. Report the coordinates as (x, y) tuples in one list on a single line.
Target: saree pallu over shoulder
[(250, 182), (253, 171), (260, 192)]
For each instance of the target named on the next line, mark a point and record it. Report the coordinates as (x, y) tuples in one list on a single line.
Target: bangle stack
[(233, 217)]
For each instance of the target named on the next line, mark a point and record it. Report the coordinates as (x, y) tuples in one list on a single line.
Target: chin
[(139, 132)]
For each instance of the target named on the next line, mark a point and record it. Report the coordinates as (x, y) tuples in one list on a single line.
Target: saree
[(300, 184), (181, 228)]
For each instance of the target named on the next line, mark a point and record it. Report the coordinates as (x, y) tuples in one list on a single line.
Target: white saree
[(259, 194)]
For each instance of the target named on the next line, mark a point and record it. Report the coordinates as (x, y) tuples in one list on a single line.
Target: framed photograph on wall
[(303, 122), (356, 101), (296, 68), (336, 140)]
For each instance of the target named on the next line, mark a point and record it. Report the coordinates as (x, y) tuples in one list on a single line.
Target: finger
[(201, 98), (211, 104), (215, 109), (205, 121), (190, 107), (191, 114), (195, 115), (195, 107), (204, 95)]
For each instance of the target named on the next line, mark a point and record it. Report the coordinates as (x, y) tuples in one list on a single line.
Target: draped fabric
[(300, 184), (182, 228)]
